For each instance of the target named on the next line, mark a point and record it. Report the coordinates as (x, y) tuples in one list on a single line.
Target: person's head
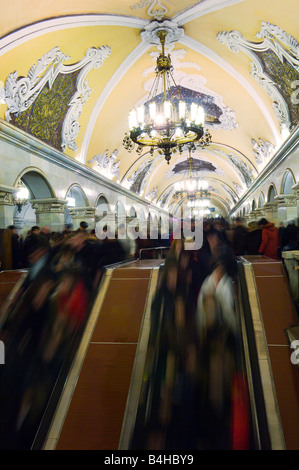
[(263, 222), (83, 225), (35, 230), (12, 228)]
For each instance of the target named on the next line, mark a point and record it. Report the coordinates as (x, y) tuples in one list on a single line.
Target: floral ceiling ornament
[(21, 92), (275, 66), (156, 9)]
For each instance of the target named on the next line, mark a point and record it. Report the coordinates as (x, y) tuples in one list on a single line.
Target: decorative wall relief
[(275, 66), (107, 166), (165, 197), (152, 195), (244, 171), (48, 102), (139, 177), (231, 193), (263, 151)]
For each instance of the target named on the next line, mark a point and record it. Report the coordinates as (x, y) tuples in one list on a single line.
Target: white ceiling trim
[(111, 84), (202, 8), (40, 28), (211, 55)]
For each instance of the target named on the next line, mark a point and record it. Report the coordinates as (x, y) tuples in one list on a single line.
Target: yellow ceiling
[(30, 29)]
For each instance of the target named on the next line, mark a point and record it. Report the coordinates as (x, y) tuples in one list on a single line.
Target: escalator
[(101, 399), (266, 412), (93, 405)]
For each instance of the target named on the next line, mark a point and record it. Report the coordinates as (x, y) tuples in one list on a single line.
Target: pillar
[(286, 207), (6, 206), (83, 214), (271, 212), (50, 212)]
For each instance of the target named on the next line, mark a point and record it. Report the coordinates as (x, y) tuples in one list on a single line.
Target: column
[(286, 207), (50, 212), (6, 206), (83, 214), (271, 212), (258, 214), (296, 193)]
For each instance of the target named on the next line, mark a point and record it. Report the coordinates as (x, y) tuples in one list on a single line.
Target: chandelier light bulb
[(182, 109), (152, 111), (132, 119), (200, 117), (22, 194), (160, 120), (167, 109), (193, 112)]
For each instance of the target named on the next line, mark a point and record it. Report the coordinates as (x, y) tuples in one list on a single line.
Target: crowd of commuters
[(198, 341), (195, 391)]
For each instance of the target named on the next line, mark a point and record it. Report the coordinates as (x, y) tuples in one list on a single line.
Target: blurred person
[(219, 338), (15, 247), (291, 236), (45, 231), (239, 237), (127, 242), (270, 239), (28, 242), (254, 238)]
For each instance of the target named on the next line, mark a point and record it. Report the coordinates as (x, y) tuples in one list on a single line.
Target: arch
[(261, 200), (77, 196), (102, 201), (132, 212), (288, 180), (253, 205), (36, 182), (120, 210), (271, 193)]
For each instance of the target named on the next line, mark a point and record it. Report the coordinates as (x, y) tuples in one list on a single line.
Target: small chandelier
[(165, 122), (192, 187), (21, 196)]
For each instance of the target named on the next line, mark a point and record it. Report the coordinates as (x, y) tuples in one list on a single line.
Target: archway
[(24, 217)]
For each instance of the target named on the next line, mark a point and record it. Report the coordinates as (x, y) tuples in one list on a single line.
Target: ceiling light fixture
[(21, 197), (191, 187), (165, 122)]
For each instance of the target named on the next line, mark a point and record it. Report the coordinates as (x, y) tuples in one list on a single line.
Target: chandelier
[(21, 197), (199, 207), (191, 187), (165, 122)]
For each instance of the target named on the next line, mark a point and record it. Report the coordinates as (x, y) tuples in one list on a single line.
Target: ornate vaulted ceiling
[(72, 71)]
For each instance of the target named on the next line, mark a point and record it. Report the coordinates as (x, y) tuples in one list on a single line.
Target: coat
[(270, 241)]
